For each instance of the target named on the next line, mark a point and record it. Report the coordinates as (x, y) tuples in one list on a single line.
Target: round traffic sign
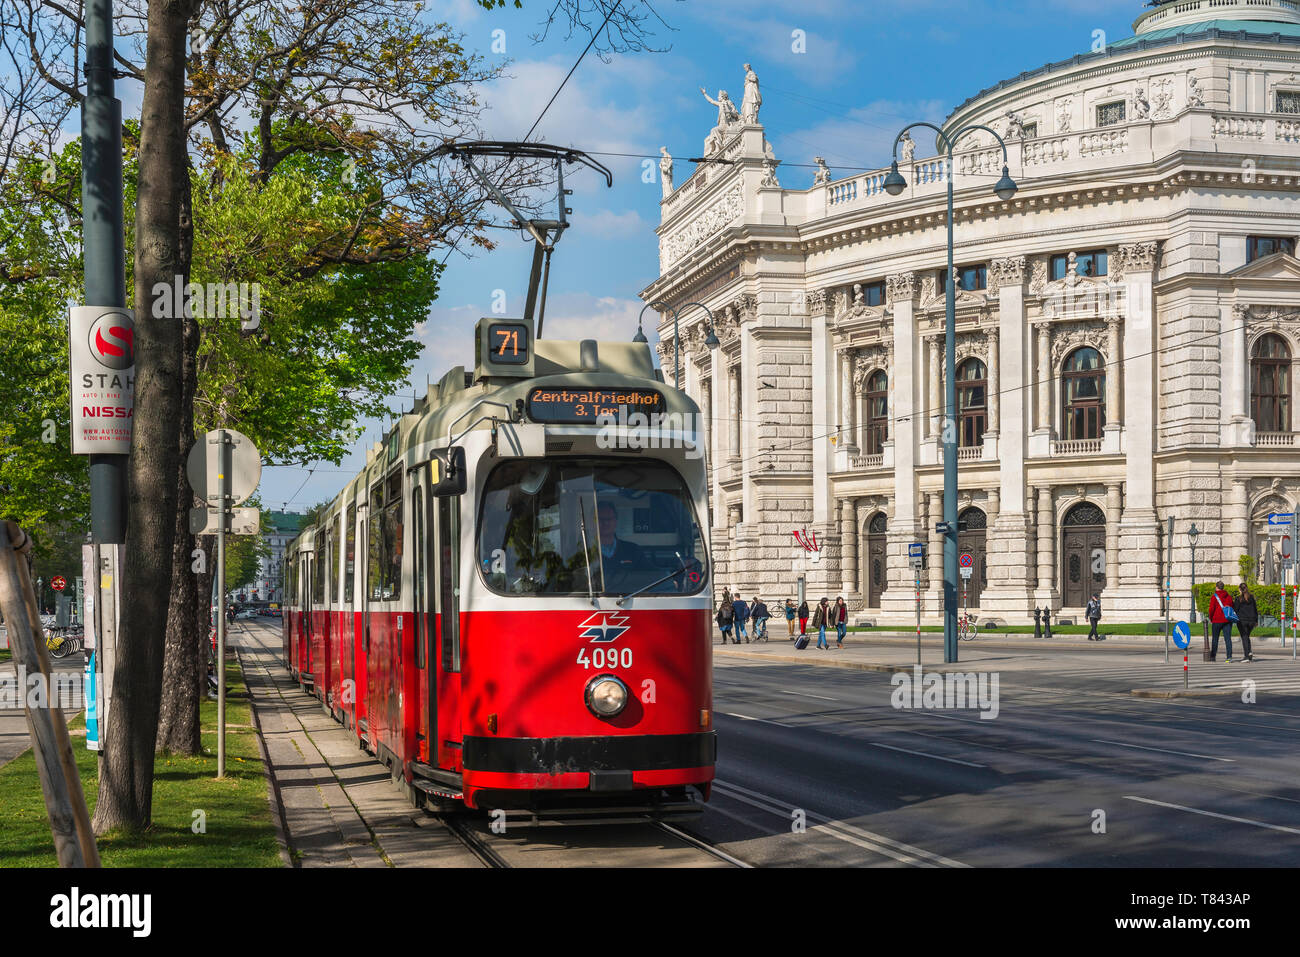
[(1182, 634), (1286, 548), (967, 561), (241, 466), (58, 583)]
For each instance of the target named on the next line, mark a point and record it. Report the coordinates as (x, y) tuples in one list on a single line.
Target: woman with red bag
[(1222, 615)]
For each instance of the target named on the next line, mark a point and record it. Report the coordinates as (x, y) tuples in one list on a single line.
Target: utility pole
[(105, 286)]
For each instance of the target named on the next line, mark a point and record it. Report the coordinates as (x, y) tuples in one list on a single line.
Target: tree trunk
[(184, 661), (126, 770)]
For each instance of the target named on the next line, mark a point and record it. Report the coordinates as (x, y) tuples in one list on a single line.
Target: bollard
[(1038, 622), (1205, 635), (1047, 622)]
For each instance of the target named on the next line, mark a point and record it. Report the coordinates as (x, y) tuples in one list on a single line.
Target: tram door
[(425, 638), (449, 636)]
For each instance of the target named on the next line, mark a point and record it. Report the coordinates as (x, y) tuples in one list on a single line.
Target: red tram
[(511, 604)]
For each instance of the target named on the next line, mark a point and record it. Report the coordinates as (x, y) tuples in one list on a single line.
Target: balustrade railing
[(1076, 447), (1273, 440)]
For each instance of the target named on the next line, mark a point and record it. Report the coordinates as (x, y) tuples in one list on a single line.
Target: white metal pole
[(223, 485)]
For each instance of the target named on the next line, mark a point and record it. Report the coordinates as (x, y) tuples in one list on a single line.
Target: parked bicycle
[(966, 630), (62, 642)]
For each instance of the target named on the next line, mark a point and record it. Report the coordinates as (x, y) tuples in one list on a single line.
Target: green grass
[(5, 654), (239, 829), (1105, 629)]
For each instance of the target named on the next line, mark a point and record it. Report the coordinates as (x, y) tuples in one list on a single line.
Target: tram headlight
[(606, 696)]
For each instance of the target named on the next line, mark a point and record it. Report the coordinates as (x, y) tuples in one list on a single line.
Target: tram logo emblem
[(603, 627)]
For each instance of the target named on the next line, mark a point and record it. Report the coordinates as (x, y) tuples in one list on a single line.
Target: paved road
[(14, 738), (1184, 782)]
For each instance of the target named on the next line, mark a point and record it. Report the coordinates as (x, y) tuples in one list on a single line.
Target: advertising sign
[(101, 350)]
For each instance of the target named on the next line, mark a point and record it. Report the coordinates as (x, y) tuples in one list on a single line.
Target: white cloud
[(609, 224), (861, 137)]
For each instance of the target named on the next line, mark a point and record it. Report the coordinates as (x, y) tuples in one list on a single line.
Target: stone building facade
[(1128, 332)]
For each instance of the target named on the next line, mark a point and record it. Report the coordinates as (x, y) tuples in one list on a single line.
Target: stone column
[(1114, 370), (706, 413), (1046, 590), (905, 394), (1141, 589), (935, 552), (848, 406), (995, 375), (995, 505), (733, 411), (823, 410), (848, 547), (859, 523), (934, 406), (1043, 376), (1237, 539), (1114, 507)]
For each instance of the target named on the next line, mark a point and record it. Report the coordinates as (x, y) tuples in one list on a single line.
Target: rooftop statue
[(753, 98)]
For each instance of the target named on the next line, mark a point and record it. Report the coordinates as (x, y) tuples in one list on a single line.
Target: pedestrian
[(841, 618), (759, 614), (726, 615), (1247, 618), (820, 619), (803, 617), (741, 611), (1222, 615), (789, 617), (1093, 614)]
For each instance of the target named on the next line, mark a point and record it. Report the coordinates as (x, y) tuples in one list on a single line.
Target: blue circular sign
[(1182, 634), (967, 561)]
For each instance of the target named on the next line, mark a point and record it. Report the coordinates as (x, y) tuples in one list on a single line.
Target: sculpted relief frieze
[(705, 225)]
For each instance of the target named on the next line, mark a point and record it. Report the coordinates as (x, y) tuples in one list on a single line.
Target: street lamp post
[(711, 341), (1191, 537), (1005, 188)]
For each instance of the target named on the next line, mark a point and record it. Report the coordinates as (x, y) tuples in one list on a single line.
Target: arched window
[(972, 403), (1270, 385), (877, 396), (1083, 383)]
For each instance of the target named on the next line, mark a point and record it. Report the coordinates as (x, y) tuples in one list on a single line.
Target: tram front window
[(589, 528)]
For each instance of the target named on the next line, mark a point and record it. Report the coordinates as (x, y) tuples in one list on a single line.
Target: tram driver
[(623, 561)]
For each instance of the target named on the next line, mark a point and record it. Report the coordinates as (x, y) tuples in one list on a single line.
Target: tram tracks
[(473, 842)]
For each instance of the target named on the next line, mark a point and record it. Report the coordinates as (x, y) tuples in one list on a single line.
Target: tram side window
[(319, 565), (393, 537), (384, 565), (334, 559), (350, 575), (375, 545)]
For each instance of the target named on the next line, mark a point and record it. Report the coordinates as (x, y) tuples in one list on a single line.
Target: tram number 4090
[(605, 658)]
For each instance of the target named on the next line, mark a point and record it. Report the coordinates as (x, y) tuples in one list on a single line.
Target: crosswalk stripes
[(1203, 675)]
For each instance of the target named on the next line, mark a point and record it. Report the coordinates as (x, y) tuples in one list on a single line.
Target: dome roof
[(1180, 21), (1180, 15)]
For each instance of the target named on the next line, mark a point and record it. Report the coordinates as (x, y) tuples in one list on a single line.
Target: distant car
[(245, 615)]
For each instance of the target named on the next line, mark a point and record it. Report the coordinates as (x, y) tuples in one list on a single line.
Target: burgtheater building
[(1128, 327)]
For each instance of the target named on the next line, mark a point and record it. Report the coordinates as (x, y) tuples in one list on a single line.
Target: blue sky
[(869, 69)]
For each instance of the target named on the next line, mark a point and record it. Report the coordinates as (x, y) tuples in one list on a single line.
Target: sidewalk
[(335, 804), (894, 651)]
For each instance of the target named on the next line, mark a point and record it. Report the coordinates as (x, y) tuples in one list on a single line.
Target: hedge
[(1268, 598)]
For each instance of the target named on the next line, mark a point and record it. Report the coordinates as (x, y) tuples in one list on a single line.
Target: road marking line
[(745, 717), (899, 851), (1186, 754), (1222, 817), (802, 695), (937, 757)]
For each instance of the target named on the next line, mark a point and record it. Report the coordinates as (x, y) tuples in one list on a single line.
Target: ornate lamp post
[(1005, 188), (1191, 537), (711, 340)]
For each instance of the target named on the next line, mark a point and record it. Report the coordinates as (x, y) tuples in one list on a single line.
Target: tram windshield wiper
[(586, 551), (645, 588)]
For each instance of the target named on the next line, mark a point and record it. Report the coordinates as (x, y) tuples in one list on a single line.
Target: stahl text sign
[(101, 351)]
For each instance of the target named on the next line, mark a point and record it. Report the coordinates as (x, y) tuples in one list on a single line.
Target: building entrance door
[(1083, 555), (876, 577)]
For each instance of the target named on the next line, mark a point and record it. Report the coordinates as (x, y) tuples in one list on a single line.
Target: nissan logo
[(112, 340)]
